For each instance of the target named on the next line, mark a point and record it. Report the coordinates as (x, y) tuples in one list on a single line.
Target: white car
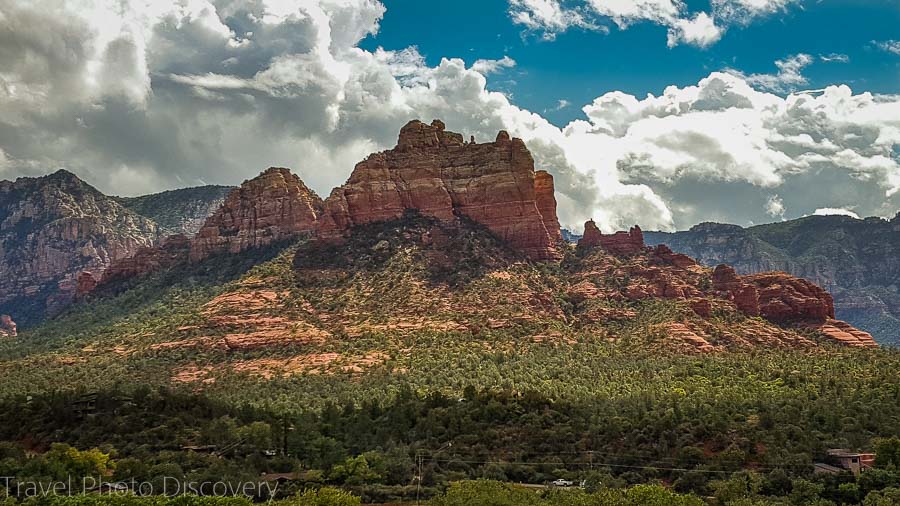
[(561, 483)]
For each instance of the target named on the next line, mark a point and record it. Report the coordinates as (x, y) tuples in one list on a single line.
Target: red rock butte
[(619, 243), (439, 174), (274, 206)]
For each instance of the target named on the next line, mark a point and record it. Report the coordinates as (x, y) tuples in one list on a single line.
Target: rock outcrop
[(619, 243), (784, 298), (171, 251), (274, 206), (85, 284), (52, 228), (437, 173), (776, 296), (857, 261), (7, 326), (846, 334), (730, 286)]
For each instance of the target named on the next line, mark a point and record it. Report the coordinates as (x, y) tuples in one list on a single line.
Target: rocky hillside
[(51, 229), (181, 211), (443, 235), (414, 244), (858, 261), (271, 208)]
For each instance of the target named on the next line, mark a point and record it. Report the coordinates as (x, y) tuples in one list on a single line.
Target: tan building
[(840, 459)]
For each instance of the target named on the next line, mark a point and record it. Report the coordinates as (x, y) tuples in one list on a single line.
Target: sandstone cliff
[(271, 207), (620, 243), (437, 173), (858, 261), (51, 229)]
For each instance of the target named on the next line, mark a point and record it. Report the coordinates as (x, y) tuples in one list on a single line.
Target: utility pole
[(419, 465), (284, 431)]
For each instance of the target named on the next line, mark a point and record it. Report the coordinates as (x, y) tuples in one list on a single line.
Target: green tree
[(63, 461), (486, 493), (354, 471), (887, 453), (886, 497), (326, 496)]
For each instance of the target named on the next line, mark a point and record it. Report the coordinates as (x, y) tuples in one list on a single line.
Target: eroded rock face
[(7, 326), (857, 261), (846, 334), (744, 295), (440, 175), (171, 251), (776, 296), (669, 257), (783, 297), (273, 206), (85, 284), (619, 243), (51, 229)]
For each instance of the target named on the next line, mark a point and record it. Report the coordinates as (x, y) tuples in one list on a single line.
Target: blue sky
[(580, 65)]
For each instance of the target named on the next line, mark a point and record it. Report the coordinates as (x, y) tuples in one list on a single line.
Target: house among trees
[(839, 460)]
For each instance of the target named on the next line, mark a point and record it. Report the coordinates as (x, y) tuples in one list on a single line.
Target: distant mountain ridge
[(54, 228), (180, 211), (858, 261)]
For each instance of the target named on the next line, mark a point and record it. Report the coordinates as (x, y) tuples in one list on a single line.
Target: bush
[(326, 496)]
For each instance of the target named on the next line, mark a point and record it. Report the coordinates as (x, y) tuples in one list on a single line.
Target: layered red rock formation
[(545, 198), (667, 256), (846, 334), (729, 285), (171, 251), (85, 284), (783, 297), (776, 296), (7, 326), (619, 243), (435, 172), (273, 206)]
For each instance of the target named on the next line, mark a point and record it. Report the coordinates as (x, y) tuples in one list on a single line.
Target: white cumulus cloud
[(891, 46), (491, 66), (150, 96), (698, 28), (829, 211)]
